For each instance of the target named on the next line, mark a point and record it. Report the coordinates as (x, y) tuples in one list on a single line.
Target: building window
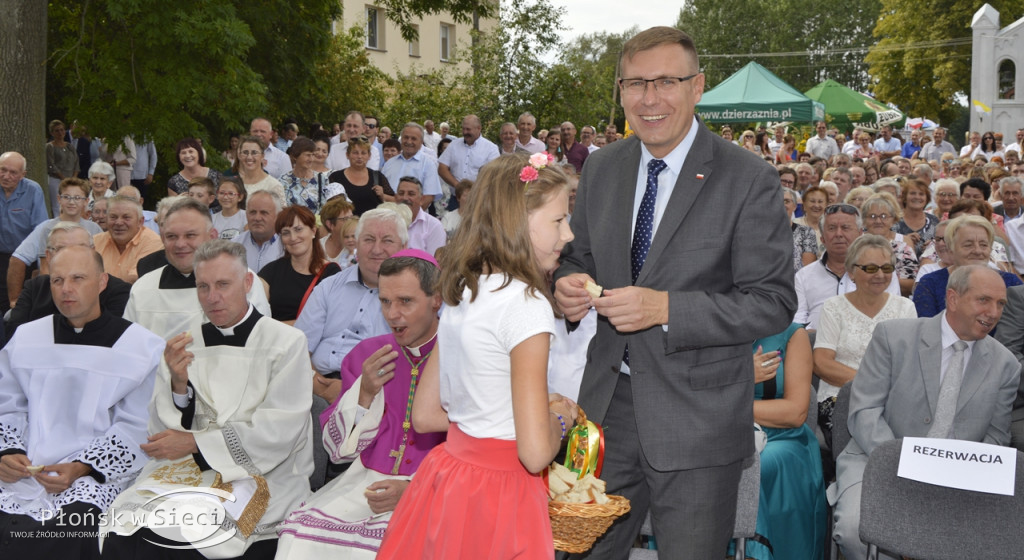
[(1007, 80), (447, 41), (374, 28), (414, 45)]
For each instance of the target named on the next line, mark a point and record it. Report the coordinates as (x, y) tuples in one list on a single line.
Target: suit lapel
[(685, 192), (618, 236), (930, 355)]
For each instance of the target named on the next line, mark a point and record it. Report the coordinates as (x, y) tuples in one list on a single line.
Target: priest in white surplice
[(230, 413), (164, 300), (74, 387)]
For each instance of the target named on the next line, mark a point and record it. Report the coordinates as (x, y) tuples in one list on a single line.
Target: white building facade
[(996, 74)]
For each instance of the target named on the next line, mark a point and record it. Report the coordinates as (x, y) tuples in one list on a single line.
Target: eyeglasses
[(844, 208), (787, 182), (251, 153), (873, 268), (69, 198), (947, 195), (638, 86), (882, 217), (227, 194)]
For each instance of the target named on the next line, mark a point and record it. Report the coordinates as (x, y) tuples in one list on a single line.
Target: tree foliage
[(814, 41), (927, 81)]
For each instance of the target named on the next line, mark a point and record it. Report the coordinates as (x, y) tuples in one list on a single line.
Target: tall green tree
[(808, 41), (927, 81)]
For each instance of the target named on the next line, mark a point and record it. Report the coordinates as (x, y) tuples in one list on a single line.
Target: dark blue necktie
[(644, 229)]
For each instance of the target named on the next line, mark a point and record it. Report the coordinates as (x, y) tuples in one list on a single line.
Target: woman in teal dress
[(791, 515)]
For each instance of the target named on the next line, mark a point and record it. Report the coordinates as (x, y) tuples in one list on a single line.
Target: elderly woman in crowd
[(101, 177), (291, 278), (805, 244), (1000, 258), (303, 186), (831, 190), (870, 172), (192, 161), (249, 166), (888, 185), (333, 216), (365, 187), (61, 161), (880, 213), (917, 226), (791, 514), (864, 148), (815, 201), (947, 193), (848, 320), (936, 255), (858, 195), (969, 239)]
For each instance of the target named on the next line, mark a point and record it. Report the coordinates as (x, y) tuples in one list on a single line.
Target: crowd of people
[(375, 341)]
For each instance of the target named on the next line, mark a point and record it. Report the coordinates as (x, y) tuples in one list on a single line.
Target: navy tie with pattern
[(644, 228)]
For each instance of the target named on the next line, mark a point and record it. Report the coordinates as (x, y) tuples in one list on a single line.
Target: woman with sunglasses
[(848, 320), (987, 148), (879, 214)]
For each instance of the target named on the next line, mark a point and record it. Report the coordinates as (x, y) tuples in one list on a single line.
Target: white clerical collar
[(415, 350), (230, 331)]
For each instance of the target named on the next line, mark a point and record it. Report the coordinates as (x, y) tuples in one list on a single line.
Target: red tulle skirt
[(471, 498)]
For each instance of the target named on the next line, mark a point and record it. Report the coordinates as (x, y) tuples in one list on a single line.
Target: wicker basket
[(576, 526)]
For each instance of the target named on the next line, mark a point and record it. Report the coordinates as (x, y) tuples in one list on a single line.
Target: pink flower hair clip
[(538, 161)]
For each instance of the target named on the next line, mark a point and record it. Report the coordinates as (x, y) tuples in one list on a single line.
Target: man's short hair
[(787, 171), (413, 180), (185, 203), (527, 114), (356, 113), (216, 247), (73, 182), (204, 182), (66, 227), (1011, 180), (656, 37), (410, 124), (980, 184), (275, 193), (428, 274), (118, 199), (960, 279), (385, 215)]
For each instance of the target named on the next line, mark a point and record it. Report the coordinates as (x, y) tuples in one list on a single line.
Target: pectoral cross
[(397, 454)]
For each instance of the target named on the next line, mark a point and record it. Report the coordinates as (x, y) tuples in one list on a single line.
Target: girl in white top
[(486, 384), (231, 219)]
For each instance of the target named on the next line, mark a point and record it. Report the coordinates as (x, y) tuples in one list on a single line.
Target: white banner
[(967, 465)]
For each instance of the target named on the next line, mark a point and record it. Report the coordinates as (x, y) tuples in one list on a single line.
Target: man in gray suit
[(705, 270), (1011, 334), (913, 382)]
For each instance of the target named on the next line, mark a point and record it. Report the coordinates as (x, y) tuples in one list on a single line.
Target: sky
[(615, 16)]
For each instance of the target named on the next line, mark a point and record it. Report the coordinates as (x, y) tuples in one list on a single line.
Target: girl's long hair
[(494, 235)]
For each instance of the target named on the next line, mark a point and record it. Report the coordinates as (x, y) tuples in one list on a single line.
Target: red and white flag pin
[(700, 176)]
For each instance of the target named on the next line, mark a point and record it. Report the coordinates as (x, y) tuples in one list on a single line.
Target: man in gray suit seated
[(913, 382)]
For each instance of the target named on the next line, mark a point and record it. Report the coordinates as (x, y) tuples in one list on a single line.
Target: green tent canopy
[(845, 107), (755, 94)]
